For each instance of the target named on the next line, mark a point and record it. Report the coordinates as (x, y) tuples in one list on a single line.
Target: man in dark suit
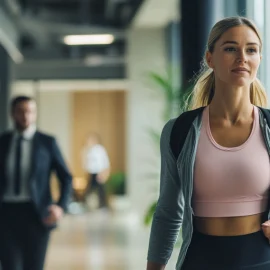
[(27, 211)]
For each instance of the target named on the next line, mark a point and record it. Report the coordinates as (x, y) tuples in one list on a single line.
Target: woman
[(217, 187)]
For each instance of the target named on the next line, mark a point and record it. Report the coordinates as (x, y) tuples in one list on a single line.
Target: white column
[(266, 52), (146, 52)]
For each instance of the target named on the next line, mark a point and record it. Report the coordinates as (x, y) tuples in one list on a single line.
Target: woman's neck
[(231, 104)]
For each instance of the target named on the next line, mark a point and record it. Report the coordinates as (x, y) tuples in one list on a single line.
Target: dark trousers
[(95, 185), (249, 252), (23, 238)]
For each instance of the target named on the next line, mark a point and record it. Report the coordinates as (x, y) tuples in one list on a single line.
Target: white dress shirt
[(96, 159), (25, 169)]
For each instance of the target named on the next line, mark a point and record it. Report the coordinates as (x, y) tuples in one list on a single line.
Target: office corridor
[(99, 241)]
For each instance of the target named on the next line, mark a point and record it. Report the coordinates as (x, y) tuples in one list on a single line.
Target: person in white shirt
[(97, 165)]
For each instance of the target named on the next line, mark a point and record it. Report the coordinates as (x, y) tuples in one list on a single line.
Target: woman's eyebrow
[(235, 42)]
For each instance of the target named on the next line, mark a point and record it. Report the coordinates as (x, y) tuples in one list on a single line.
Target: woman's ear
[(208, 57)]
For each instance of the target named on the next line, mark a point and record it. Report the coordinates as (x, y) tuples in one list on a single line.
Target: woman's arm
[(168, 216)]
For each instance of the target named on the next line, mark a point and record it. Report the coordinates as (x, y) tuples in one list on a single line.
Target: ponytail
[(258, 95), (203, 90)]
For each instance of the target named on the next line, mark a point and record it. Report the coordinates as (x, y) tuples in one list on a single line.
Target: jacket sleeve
[(63, 176), (168, 216)]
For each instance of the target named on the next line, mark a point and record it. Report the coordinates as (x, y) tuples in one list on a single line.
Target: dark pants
[(23, 238), (249, 252), (95, 185)]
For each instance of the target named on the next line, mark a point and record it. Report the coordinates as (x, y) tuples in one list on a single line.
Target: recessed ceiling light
[(88, 39)]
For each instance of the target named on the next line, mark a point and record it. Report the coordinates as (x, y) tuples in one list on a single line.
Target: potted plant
[(116, 190)]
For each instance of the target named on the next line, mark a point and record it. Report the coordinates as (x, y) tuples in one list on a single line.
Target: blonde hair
[(204, 88)]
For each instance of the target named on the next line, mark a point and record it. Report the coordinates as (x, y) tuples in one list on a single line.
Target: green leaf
[(149, 214), (164, 85)]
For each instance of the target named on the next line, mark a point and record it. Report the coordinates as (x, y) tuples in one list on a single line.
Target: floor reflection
[(101, 240), (98, 240)]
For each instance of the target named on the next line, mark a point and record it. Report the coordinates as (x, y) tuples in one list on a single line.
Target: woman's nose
[(242, 57)]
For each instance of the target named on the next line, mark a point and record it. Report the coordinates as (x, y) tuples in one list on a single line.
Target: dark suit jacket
[(46, 158)]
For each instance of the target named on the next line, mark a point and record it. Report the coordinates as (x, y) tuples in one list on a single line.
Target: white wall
[(27, 88), (55, 114), (266, 53), (146, 52), (156, 14)]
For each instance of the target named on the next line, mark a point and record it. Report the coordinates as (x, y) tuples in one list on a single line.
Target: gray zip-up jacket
[(176, 186)]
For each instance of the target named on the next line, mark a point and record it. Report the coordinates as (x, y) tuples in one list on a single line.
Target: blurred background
[(119, 68)]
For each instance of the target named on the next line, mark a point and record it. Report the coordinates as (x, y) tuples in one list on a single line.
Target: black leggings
[(249, 252)]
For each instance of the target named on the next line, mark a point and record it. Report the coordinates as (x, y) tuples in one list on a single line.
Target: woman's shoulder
[(175, 130), (185, 118), (265, 112)]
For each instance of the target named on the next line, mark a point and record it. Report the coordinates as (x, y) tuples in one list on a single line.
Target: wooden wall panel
[(103, 112)]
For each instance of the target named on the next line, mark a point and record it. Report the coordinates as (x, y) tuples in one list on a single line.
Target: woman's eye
[(230, 49), (252, 50)]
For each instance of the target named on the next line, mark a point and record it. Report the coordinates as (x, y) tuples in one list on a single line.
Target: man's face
[(24, 114)]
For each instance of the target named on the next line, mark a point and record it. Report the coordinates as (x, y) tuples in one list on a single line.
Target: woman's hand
[(266, 229), (155, 266)]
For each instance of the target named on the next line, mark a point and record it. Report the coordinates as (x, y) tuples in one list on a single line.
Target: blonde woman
[(215, 183)]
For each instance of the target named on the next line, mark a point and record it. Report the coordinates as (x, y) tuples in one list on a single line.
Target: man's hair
[(19, 99)]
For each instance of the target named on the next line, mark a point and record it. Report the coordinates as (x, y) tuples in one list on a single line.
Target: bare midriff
[(229, 226)]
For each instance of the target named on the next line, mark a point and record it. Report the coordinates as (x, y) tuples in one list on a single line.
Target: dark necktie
[(18, 155)]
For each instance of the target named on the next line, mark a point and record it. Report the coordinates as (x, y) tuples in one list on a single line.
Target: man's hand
[(55, 214), (103, 176)]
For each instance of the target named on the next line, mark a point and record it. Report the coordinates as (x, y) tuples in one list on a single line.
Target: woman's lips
[(240, 70)]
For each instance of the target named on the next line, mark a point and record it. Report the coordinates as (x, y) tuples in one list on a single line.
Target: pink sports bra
[(230, 181)]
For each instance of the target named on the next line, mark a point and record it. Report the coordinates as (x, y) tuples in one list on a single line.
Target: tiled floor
[(99, 241)]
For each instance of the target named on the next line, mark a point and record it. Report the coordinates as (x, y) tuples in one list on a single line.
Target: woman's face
[(236, 56)]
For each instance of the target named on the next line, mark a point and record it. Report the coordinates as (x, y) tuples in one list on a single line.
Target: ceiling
[(157, 14), (42, 24)]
